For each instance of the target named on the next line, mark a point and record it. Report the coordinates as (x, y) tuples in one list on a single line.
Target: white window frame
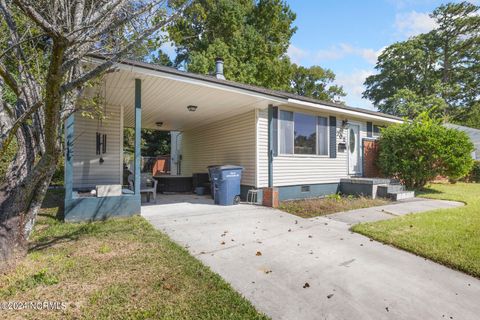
[(297, 155)]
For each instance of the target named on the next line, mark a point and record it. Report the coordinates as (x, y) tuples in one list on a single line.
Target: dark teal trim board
[(93, 208), (300, 191), (138, 133)]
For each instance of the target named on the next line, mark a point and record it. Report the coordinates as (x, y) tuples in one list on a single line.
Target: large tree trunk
[(28, 179), (19, 207)]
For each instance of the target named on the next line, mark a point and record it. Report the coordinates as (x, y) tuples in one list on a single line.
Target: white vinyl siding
[(301, 169), (262, 148), (87, 170), (229, 141)]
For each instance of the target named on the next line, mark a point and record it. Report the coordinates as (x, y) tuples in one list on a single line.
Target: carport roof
[(273, 94)]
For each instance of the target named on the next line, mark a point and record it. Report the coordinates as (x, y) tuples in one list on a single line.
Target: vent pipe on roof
[(219, 68)]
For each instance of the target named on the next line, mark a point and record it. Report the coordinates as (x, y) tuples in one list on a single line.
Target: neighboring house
[(299, 145), (474, 135)]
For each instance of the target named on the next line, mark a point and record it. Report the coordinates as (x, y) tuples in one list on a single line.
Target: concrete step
[(401, 195), (384, 190)]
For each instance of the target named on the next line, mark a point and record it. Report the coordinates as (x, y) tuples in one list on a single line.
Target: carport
[(141, 95)]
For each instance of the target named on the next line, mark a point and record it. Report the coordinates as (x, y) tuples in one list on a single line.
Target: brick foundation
[(270, 197)]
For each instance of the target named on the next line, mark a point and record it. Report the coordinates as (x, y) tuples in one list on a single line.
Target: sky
[(347, 36)]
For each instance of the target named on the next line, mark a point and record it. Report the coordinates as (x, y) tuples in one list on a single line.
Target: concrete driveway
[(293, 268)]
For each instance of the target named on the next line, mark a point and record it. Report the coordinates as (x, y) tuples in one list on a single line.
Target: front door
[(354, 164)]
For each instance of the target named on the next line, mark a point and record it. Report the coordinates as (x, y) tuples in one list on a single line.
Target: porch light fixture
[(192, 108), (159, 123)]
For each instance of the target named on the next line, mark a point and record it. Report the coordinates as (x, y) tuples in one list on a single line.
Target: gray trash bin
[(225, 182)]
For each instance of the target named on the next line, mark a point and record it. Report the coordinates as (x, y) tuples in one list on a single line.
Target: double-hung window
[(301, 133)]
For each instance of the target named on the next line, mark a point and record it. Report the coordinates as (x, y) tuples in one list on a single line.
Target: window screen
[(301, 133), (305, 134)]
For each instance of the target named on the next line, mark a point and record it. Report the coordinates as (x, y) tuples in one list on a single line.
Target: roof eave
[(344, 111), (274, 96)]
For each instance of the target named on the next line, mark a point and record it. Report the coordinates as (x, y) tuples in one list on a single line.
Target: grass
[(447, 236), (115, 269), (310, 208)]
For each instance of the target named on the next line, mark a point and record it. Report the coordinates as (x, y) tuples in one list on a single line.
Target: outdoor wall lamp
[(159, 123), (192, 108)]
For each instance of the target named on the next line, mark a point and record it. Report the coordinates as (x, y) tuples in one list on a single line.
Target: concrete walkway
[(391, 211), (293, 268)]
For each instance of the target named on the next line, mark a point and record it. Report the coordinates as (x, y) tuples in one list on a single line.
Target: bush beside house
[(474, 175), (416, 152)]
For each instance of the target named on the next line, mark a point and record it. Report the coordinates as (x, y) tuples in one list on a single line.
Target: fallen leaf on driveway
[(223, 242), (330, 295), (306, 285), (258, 253)]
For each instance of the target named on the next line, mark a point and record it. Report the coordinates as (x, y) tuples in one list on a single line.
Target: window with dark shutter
[(333, 137)]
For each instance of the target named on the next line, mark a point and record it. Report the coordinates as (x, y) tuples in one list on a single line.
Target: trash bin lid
[(229, 167)]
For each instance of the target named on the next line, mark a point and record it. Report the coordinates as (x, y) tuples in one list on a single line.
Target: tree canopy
[(438, 69), (252, 37), (315, 82)]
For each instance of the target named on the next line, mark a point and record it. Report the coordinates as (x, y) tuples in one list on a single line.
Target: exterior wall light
[(192, 108), (159, 123)]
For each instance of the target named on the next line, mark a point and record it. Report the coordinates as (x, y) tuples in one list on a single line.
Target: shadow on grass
[(69, 232), (69, 236), (427, 191), (54, 200)]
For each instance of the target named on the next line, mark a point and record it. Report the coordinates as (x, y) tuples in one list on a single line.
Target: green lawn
[(448, 236), (116, 269)]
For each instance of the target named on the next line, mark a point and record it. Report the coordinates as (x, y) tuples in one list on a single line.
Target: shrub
[(416, 152), (474, 175)]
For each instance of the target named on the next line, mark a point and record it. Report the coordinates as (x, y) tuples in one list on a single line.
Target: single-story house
[(473, 134), (300, 146)]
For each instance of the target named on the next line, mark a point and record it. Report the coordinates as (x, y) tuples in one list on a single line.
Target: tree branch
[(37, 17), (101, 13), (115, 57), (9, 79), (6, 138), (78, 52)]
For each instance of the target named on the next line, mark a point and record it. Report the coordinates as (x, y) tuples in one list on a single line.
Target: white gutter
[(359, 114)]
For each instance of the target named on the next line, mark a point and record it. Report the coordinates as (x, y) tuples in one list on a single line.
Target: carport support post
[(68, 175), (138, 133)]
